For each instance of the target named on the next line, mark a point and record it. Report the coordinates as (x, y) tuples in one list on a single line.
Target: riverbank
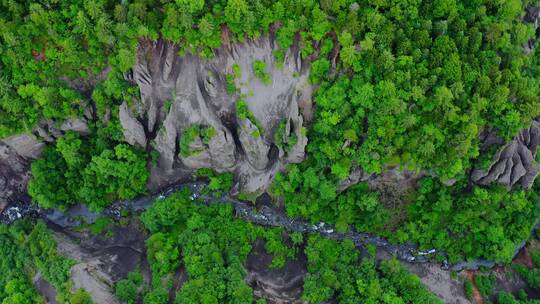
[(265, 215)]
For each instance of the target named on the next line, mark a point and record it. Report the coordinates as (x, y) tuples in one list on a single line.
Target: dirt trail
[(477, 297)]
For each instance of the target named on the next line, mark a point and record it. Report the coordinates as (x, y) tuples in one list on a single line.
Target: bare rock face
[(87, 273), (16, 154), (276, 285), (50, 130), (514, 164), (179, 92), (133, 129), (77, 125), (256, 150), (532, 15), (102, 261), (18, 151)]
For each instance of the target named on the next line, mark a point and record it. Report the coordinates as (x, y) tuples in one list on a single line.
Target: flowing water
[(266, 215)]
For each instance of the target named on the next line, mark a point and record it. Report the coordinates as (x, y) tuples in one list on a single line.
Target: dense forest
[(405, 85)]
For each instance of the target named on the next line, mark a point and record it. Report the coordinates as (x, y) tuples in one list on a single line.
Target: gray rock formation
[(532, 15), (276, 285), (103, 261), (178, 92), (77, 125), (50, 130), (357, 175), (87, 273), (16, 154), (133, 129), (514, 163)]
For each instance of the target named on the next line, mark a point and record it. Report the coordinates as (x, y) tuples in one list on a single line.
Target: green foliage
[(20, 291), (417, 83), (101, 226), (259, 69), (319, 70), (214, 247), (45, 47), (407, 95), (221, 183), (507, 298), (535, 257), (485, 284), (207, 133), (42, 248), (243, 112), (310, 194), (231, 78), (163, 255), (86, 170), (15, 284), (156, 296), (485, 222), (468, 286), (80, 296), (532, 276), (336, 272), (167, 106), (127, 290), (168, 213), (204, 133), (282, 140), (275, 245), (218, 183), (26, 249), (188, 136)]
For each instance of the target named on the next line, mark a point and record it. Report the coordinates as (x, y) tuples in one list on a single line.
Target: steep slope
[(252, 130)]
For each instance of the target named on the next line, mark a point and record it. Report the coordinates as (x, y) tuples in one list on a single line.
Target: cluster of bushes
[(90, 170), (481, 222), (204, 133), (209, 244), (27, 248), (49, 48), (406, 95), (310, 195), (212, 247), (532, 276), (337, 272)]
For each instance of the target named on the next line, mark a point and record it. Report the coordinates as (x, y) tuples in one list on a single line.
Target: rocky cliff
[(514, 163), (243, 124), (16, 153)]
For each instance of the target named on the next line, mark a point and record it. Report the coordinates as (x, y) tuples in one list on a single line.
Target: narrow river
[(265, 215)]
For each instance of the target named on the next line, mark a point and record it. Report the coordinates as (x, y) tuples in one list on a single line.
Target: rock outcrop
[(16, 154), (18, 151), (179, 92), (276, 285), (102, 261), (532, 15), (133, 129), (514, 163), (50, 130)]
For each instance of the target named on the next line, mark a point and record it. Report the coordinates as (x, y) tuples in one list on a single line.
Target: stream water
[(266, 215)]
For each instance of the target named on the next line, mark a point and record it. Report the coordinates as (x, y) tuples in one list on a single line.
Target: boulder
[(77, 125), (133, 129)]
